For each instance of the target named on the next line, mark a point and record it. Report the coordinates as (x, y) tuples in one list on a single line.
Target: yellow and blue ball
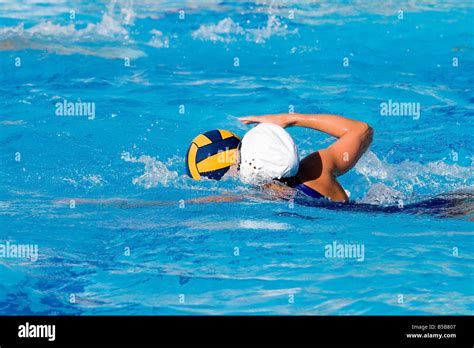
[(211, 154)]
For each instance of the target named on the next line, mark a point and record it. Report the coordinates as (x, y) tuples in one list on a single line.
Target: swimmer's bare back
[(320, 169)]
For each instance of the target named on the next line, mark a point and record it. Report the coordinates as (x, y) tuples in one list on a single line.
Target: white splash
[(274, 27), (66, 39), (224, 31), (107, 28), (392, 182), (382, 194), (156, 172), (158, 40), (227, 30)]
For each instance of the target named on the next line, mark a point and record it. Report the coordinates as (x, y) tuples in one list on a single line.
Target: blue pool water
[(118, 250)]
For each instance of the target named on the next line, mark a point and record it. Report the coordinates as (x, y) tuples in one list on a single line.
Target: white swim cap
[(267, 152)]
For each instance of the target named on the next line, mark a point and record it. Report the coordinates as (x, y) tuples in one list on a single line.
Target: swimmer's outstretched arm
[(133, 203), (354, 136)]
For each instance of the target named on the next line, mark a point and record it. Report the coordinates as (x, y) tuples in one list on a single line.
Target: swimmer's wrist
[(291, 119)]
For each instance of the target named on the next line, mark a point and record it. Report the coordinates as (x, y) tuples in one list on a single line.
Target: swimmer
[(268, 152), (267, 155)]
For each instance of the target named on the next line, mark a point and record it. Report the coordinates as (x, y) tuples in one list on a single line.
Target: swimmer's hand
[(282, 120)]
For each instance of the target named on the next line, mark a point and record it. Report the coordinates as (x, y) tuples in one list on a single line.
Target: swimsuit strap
[(293, 182), (309, 191)]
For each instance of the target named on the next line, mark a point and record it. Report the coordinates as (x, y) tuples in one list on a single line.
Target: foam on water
[(408, 180), (155, 172), (158, 39), (112, 28), (387, 183), (116, 23), (226, 30)]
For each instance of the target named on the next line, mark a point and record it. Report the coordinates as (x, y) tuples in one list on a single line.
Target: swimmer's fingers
[(250, 119)]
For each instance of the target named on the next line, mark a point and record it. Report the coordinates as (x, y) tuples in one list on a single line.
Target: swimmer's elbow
[(362, 127), (370, 134), (365, 129), (364, 134), (367, 133)]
